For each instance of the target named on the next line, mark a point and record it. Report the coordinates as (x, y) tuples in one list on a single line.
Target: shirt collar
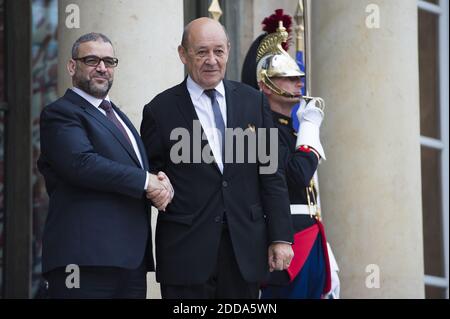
[(196, 90), (91, 99)]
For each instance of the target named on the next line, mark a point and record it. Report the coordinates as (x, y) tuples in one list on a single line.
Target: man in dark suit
[(97, 237), (229, 223)]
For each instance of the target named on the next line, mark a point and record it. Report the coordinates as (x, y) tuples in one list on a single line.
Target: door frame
[(18, 151)]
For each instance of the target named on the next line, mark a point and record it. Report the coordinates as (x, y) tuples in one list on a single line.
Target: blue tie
[(220, 124)]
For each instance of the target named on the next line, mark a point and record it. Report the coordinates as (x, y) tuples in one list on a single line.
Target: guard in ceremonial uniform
[(279, 77)]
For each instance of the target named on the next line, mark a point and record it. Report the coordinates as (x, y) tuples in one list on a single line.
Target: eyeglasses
[(92, 60)]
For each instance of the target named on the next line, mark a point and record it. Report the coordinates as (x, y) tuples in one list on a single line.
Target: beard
[(92, 88)]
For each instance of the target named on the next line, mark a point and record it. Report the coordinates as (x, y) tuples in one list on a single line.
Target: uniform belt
[(303, 210)]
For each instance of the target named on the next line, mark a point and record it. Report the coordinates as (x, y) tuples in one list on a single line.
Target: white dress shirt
[(203, 108), (96, 102)]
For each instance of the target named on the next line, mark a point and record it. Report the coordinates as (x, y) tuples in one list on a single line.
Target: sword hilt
[(320, 101)]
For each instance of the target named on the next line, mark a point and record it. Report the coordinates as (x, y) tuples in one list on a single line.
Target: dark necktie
[(220, 124), (105, 105)]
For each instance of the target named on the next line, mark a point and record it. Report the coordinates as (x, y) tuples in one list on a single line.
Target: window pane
[(2, 144), (44, 70), (429, 74), (2, 53), (436, 2), (432, 292), (432, 212)]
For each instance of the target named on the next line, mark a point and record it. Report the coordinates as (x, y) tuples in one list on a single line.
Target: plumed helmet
[(277, 65), (269, 25), (274, 61)]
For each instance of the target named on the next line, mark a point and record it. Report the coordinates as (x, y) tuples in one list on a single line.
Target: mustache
[(103, 75)]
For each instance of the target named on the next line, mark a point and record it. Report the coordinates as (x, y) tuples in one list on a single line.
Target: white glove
[(310, 118), (335, 282)]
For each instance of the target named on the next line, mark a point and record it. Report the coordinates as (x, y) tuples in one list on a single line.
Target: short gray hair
[(93, 36)]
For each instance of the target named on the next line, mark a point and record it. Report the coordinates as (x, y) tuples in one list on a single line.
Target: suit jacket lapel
[(185, 105), (136, 137), (232, 102), (103, 120)]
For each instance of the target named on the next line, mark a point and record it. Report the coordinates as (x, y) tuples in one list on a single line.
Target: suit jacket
[(256, 206), (98, 214)]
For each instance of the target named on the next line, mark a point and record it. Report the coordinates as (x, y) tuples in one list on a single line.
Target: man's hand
[(310, 112), (310, 118), (280, 256), (160, 190), (166, 183)]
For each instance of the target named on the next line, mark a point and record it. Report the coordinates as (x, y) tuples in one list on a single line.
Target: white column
[(145, 36), (370, 184)]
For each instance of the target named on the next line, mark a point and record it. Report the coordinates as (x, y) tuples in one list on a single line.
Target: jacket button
[(224, 184), (218, 219)]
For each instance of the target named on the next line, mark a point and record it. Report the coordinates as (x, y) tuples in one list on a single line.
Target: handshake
[(159, 190)]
